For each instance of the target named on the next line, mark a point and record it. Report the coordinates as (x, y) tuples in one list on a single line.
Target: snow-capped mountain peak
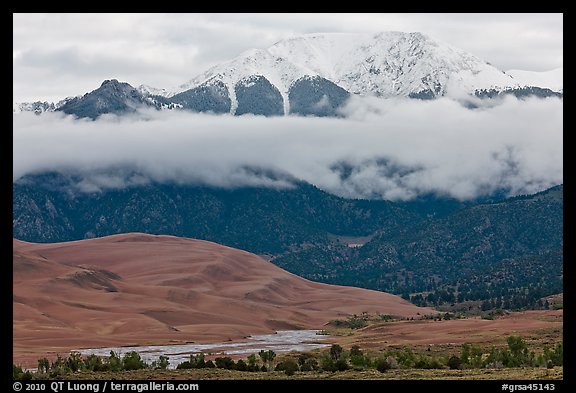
[(147, 90), (384, 64), (315, 74)]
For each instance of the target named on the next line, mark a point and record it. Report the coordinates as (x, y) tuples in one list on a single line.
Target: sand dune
[(135, 289)]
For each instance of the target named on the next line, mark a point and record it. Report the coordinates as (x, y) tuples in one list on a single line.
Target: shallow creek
[(281, 341)]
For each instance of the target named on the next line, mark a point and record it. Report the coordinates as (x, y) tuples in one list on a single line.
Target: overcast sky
[(59, 55)]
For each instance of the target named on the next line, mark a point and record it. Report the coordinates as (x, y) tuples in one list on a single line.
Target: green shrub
[(225, 363), (406, 358), (427, 363), (341, 365), (58, 367), (358, 359), (161, 364), (335, 352), (355, 322), (327, 364), (74, 362), (114, 363), (455, 363), (289, 366), (252, 363), (310, 364), (241, 365), (355, 351), (558, 355), (267, 357), (93, 363), (382, 365), (17, 372), (186, 365), (133, 361), (197, 361), (43, 365)]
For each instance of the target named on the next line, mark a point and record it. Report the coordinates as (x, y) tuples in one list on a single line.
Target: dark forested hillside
[(262, 220), (511, 248), (503, 254)]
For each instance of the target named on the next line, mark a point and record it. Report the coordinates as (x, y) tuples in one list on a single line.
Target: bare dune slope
[(143, 289)]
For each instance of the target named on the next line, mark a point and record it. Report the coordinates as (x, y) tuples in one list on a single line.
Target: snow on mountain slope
[(384, 64), (149, 90), (553, 80), (38, 106)]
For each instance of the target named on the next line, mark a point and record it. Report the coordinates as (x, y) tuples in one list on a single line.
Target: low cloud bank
[(384, 149)]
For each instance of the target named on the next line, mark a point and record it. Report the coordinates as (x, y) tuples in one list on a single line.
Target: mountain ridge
[(385, 64)]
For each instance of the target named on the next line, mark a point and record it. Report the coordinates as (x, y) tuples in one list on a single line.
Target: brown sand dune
[(143, 289)]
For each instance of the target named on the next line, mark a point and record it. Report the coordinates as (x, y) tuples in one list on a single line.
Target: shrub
[(455, 363), (358, 359), (267, 357), (327, 364), (197, 361), (406, 358), (133, 361), (471, 356), (341, 365), (74, 362), (517, 345), (161, 364), (558, 355), (27, 376), (382, 365), (241, 365), (303, 357), (225, 362), (337, 322), (289, 366), (43, 365), (58, 367), (17, 372), (355, 322), (310, 364), (93, 363), (355, 351), (335, 352), (184, 366), (210, 364), (114, 363), (427, 363), (252, 366)]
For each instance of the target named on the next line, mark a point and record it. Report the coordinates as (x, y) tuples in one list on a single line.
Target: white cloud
[(391, 149)]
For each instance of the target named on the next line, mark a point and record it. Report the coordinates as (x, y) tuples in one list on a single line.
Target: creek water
[(281, 341)]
